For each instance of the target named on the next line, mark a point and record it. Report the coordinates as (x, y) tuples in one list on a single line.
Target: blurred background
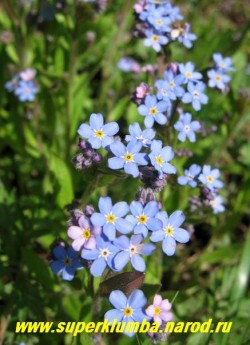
[(74, 47)]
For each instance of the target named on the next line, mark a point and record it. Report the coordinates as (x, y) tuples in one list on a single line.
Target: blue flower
[(12, 84), (127, 157), (187, 127), (26, 91), (127, 64), (190, 177), (217, 204), (195, 95), (164, 91), (98, 134), (155, 40), (131, 249), (153, 111), (187, 70), (170, 232), (210, 177), (110, 217), (223, 64), (160, 157), (173, 13), (127, 309), (218, 79), (102, 256), (66, 262), (174, 84), (144, 136), (187, 37), (143, 218), (157, 19)]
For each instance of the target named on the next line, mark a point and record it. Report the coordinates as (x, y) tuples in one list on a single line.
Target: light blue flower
[(164, 91), (155, 40), (170, 232), (191, 176), (187, 127), (131, 249), (26, 91), (127, 64), (157, 19), (187, 70), (175, 82), (143, 217), (12, 84), (98, 134), (127, 157), (173, 12), (218, 79), (195, 95), (102, 256), (66, 262), (127, 309), (209, 177), (217, 204), (145, 136), (223, 64), (160, 157), (110, 217), (186, 37), (153, 111)]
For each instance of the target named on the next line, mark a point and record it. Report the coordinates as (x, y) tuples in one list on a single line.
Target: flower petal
[(118, 299)]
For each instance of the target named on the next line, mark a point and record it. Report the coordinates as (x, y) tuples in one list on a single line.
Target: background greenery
[(75, 54)]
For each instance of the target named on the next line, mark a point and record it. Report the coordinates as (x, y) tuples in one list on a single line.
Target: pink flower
[(28, 74), (84, 235), (160, 310)]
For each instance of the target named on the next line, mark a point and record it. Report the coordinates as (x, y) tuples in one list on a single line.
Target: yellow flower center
[(157, 311), (159, 160), (128, 311), (189, 74), (86, 234), (128, 157), (218, 77), (155, 38), (153, 111), (213, 202), (169, 230), (172, 84), (104, 253), (99, 133), (142, 219), (67, 261), (210, 179), (110, 218), (159, 21), (222, 64)]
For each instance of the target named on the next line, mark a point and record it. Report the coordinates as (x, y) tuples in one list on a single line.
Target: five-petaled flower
[(160, 157), (110, 217), (191, 176), (195, 95), (209, 177), (160, 310), (127, 309), (170, 231), (98, 134), (153, 111), (131, 249), (186, 127)]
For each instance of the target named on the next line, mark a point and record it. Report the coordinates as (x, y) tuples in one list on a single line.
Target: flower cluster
[(23, 85), (218, 77), (208, 178), (128, 64), (161, 23), (132, 309)]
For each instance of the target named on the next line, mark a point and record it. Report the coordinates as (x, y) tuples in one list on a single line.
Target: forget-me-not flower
[(143, 217), (127, 309), (155, 40), (131, 250), (110, 217), (127, 157), (102, 256), (209, 177), (66, 262), (217, 204), (186, 127), (218, 79), (26, 91), (160, 157), (187, 70), (191, 176), (136, 133), (160, 310), (195, 95), (153, 111), (223, 64), (170, 231), (98, 134), (175, 83)]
